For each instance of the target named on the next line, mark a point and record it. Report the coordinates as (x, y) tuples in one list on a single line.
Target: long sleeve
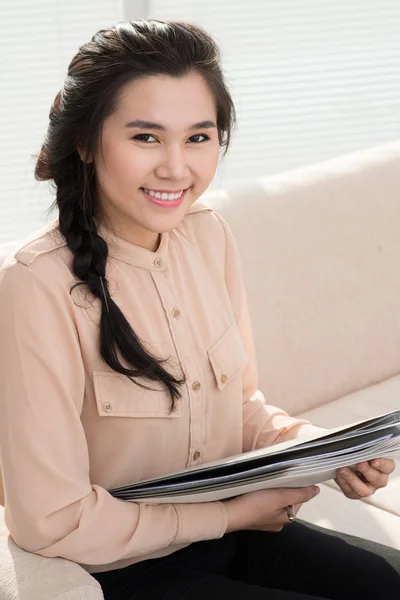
[(51, 507), (263, 424)]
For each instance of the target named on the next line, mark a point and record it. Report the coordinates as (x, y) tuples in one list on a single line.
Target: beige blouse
[(71, 428)]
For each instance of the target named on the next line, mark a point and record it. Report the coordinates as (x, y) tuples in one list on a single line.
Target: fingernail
[(316, 490), (376, 464)]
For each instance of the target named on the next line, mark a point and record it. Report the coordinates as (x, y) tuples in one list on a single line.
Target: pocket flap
[(118, 396), (227, 356)]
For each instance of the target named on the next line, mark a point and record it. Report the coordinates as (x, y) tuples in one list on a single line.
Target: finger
[(384, 465), (297, 507), (373, 476), (284, 516), (345, 487), (360, 488), (298, 495)]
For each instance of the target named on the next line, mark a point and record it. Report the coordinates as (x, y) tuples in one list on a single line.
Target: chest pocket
[(227, 356), (117, 396)]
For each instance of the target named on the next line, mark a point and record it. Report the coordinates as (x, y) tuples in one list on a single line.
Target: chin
[(166, 222)]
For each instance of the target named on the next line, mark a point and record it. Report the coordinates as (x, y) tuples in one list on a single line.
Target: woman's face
[(161, 139)]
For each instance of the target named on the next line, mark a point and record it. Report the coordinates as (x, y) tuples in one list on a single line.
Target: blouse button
[(158, 262), (196, 455), (196, 386), (176, 313), (107, 406), (224, 378)]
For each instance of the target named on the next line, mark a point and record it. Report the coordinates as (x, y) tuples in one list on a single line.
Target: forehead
[(170, 101)]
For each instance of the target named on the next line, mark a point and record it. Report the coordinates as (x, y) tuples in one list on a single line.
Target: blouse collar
[(136, 255)]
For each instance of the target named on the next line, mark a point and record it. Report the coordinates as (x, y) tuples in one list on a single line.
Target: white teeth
[(164, 195)]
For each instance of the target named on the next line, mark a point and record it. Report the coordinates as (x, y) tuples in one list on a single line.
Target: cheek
[(207, 164), (125, 163)]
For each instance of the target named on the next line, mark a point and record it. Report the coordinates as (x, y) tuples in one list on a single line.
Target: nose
[(173, 164)]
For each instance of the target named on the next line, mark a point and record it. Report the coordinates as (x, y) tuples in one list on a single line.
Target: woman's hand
[(266, 510), (369, 477)]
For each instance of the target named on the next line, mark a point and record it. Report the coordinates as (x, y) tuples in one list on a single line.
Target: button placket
[(184, 348), (196, 387)]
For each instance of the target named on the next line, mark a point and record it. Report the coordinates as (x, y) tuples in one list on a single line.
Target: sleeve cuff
[(306, 430), (198, 522)]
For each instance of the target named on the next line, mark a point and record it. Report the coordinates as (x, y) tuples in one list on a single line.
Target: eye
[(198, 138), (142, 137), (199, 135)]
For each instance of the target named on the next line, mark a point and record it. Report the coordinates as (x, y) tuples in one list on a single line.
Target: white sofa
[(321, 257)]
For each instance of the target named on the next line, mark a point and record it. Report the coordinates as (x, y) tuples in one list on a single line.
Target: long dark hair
[(96, 74)]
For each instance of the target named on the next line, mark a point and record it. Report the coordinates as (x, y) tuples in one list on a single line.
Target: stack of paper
[(297, 463)]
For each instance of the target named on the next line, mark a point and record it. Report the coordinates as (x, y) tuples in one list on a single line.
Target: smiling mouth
[(164, 194), (165, 199)]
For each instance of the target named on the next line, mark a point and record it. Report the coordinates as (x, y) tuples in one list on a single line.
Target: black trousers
[(300, 562)]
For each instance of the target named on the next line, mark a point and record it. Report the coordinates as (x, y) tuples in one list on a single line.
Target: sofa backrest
[(320, 249)]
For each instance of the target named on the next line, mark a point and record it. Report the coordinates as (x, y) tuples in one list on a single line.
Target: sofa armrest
[(28, 576)]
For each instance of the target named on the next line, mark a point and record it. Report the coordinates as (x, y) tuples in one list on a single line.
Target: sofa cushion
[(27, 576), (331, 509), (368, 402)]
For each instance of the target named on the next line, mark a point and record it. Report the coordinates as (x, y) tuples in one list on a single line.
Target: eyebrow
[(149, 125)]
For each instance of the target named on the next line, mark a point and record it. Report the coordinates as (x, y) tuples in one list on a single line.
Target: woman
[(127, 348)]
